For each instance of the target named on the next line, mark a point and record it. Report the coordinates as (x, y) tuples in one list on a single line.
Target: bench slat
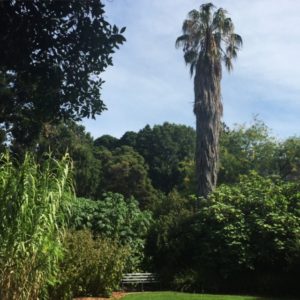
[(140, 278)]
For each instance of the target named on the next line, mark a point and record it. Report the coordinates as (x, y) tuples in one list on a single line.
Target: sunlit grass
[(187, 296)]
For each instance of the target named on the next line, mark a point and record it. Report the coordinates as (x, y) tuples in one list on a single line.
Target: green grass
[(186, 296)]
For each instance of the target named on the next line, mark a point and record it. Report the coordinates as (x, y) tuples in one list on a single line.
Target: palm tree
[(208, 39)]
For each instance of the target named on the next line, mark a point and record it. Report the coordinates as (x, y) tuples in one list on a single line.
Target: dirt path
[(115, 296)]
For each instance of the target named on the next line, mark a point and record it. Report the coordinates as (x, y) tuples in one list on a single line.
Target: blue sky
[(150, 84)]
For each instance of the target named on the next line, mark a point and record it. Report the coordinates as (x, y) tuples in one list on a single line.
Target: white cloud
[(150, 84)]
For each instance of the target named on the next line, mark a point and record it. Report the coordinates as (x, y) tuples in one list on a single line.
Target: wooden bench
[(139, 278)]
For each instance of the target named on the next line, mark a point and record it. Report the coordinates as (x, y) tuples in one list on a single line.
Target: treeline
[(158, 160), (144, 164)]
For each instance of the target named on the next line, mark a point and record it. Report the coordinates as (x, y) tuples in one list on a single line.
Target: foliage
[(107, 141), (129, 139), (164, 154), (72, 138), (124, 171), (97, 169), (163, 147), (188, 177), (245, 238), (91, 267), (289, 159), (33, 204), (51, 56), (244, 149), (208, 39), (117, 219), (169, 214), (3, 146)]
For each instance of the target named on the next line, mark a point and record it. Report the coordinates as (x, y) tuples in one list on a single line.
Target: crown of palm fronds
[(209, 32)]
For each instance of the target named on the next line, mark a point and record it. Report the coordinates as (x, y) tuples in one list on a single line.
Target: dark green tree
[(289, 159), (3, 146), (249, 230), (208, 40), (107, 141), (129, 139), (72, 138), (124, 171), (163, 247), (52, 54), (163, 147)]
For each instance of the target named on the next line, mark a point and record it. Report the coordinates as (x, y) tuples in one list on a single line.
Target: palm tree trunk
[(208, 111)]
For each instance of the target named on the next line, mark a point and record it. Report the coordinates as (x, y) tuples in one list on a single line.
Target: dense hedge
[(245, 238)]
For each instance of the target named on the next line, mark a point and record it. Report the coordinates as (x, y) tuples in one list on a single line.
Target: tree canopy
[(124, 171), (72, 138), (247, 148), (163, 148), (52, 54)]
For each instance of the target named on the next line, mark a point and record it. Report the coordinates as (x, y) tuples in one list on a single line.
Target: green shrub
[(91, 267), (115, 218), (244, 238), (160, 251), (32, 203), (185, 281), (247, 236)]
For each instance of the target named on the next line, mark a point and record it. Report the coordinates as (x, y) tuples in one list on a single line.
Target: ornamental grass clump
[(34, 199)]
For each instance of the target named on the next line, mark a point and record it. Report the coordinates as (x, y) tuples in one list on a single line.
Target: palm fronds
[(210, 33)]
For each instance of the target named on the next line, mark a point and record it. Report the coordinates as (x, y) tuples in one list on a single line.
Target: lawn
[(186, 296)]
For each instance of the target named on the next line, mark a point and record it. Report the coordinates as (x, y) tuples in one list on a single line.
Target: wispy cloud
[(149, 83)]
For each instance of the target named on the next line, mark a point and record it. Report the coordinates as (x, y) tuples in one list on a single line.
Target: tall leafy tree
[(288, 159), (208, 39), (107, 141), (247, 148), (124, 171), (164, 147), (52, 54)]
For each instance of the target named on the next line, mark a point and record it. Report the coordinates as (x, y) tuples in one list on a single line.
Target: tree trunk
[(208, 111)]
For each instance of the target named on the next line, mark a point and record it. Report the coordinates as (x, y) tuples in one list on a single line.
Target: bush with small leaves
[(91, 267)]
